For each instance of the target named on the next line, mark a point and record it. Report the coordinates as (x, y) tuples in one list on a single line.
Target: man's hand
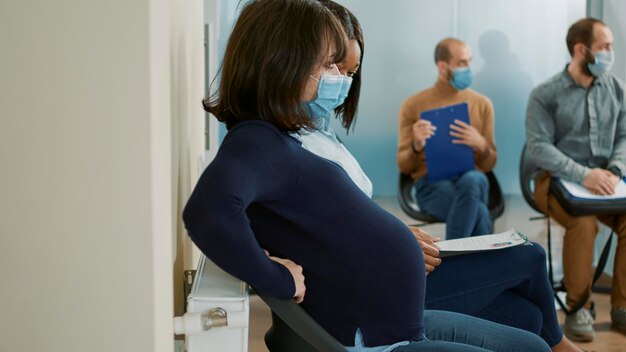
[(429, 248), (296, 272), (422, 130), (468, 135), (601, 182)]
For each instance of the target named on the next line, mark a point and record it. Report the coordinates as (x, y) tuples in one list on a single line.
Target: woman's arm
[(252, 165)]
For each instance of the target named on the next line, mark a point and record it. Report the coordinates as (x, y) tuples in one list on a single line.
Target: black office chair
[(528, 172), (294, 330), (409, 204)]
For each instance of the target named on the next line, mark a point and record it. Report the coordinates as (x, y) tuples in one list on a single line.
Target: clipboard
[(484, 243), (445, 160), (578, 201)]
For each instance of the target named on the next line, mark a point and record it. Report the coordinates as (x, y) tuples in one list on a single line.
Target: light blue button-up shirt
[(571, 129)]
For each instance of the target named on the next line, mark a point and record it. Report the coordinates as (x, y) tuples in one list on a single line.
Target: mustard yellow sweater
[(439, 95)]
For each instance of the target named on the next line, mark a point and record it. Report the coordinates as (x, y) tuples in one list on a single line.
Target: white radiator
[(217, 312)]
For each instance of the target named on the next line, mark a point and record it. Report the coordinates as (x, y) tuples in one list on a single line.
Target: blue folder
[(445, 160)]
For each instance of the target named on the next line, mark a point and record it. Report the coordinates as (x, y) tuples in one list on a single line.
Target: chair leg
[(556, 286), (600, 268), (550, 269), (597, 288)]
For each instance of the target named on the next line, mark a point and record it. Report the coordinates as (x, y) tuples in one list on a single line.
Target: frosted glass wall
[(614, 15), (614, 12), (516, 45)]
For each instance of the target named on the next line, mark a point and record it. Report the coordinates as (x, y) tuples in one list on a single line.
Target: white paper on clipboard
[(506, 239)]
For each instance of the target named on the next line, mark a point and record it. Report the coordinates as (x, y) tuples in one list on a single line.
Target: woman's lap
[(466, 333)]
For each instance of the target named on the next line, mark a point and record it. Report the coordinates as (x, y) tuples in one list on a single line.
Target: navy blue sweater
[(363, 268)]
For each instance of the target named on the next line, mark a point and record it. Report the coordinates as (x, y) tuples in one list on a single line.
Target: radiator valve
[(193, 323)]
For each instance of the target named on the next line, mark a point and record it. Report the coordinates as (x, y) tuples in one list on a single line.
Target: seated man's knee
[(484, 225), (473, 181), (585, 225)]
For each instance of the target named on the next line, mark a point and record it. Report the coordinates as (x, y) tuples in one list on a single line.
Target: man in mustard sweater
[(460, 201)]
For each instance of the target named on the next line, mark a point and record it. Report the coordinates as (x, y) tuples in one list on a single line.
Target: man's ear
[(442, 67), (580, 50)]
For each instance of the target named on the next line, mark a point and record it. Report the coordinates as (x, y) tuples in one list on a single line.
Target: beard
[(589, 59), (449, 74)]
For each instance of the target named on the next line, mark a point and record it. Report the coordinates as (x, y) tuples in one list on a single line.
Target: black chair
[(528, 173), (409, 204), (294, 330)]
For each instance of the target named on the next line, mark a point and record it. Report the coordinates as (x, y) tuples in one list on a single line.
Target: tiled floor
[(516, 216)]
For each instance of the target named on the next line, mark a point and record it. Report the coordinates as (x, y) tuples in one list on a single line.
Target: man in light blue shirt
[(576, 130)]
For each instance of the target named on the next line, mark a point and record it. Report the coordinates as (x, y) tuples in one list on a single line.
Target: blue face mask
[(332, 90), (345, 89), (461, 78), (602, 64)]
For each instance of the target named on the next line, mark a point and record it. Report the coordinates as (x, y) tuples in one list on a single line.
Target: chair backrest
[(495, 203), (294, 330), (528, 171), (409, 204)]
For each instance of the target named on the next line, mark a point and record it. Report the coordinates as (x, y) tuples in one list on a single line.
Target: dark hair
[(273, 49), (581, 32), (351, 25), (442, 50)]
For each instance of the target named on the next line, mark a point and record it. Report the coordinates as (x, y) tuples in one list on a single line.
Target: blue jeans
[(449, 331), (461, 202), (508, 286), (452, 332), (444, 332)]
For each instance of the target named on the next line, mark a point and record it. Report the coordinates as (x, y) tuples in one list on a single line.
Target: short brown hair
[(581, 32), (274, 47), (442, 50)]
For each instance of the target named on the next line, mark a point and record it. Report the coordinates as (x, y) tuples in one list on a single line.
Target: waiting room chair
[(528, 172), (294, 330), (409, 204)]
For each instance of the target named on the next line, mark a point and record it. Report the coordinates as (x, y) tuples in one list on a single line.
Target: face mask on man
[(603, 61), (461, 78), (332, 91)]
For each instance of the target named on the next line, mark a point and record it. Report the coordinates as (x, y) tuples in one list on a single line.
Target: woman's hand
[(429, 248), (296, 272)]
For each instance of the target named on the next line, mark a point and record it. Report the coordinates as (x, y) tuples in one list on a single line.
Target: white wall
[(187, 124), (86, 230)]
